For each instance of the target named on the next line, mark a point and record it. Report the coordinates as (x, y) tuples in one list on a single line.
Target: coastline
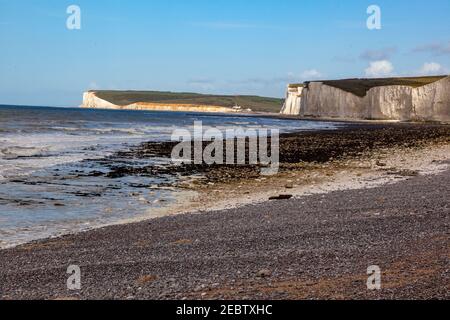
[(95, 152), (419, 155)]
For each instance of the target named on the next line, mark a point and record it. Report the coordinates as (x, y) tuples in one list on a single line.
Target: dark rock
[(381, 164), (281, 197)]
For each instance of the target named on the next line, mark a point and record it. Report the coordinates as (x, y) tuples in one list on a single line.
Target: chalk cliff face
[(293, 101), (178, 107), (91, 100), (433, 101), (321, 99), (426, 103), (389, 103)]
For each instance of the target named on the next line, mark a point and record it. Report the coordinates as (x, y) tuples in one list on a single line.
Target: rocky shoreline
[(296, 149), (315, 245)]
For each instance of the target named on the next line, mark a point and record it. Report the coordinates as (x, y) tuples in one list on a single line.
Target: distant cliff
[(172, 101), (91, 100), (421, 99)]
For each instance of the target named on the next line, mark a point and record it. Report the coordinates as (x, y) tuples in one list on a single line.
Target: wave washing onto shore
[(51, 179)]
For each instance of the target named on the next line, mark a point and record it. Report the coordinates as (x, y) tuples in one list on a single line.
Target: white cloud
[(312, 74), (380, 68), (432, 68)]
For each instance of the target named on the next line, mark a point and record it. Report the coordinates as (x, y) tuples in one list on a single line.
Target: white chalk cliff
[(293, 100), (430, 102), (91, 100)]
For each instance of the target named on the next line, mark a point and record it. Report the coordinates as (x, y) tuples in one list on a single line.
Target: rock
[(289, 186), (147, 279), (381, 164), (409, 173), (182, 242), (198, 288), (281, 197), (264, 273), (404, 173)]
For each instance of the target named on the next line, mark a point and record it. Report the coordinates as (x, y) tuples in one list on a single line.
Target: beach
[(358, 196), (60, 167), (195, 159)]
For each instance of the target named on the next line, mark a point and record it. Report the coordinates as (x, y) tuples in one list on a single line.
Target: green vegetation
[(360, 87), (296, 85), (258, 104)]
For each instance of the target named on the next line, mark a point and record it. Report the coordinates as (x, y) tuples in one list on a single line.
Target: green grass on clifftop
[(256, 103)]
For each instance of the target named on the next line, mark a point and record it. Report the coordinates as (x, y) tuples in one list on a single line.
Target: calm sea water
[(45, 153)]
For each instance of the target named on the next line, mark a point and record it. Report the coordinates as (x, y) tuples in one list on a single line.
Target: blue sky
[(220, 46)]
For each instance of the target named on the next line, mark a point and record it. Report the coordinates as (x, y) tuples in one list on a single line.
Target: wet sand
[(363, 195)]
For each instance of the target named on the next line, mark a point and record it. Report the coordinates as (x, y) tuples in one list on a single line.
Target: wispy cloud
[(280, 81), (437, 49), (379, 54), (312, 74), (204, 84), (290, 77)]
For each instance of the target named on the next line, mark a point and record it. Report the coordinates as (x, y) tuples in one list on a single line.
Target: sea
[(47, 156)]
